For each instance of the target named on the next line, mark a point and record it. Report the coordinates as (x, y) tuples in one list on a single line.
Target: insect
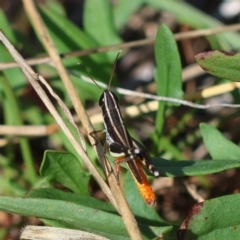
[(123, 148)]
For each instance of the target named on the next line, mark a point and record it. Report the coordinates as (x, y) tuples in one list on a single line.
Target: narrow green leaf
[(99, 23), (64, 168), (168, 74), (213, 219), (169, 71), (221, 64), (16, 77), (57, 7), (12, 114), (218, 146), (173, 168)]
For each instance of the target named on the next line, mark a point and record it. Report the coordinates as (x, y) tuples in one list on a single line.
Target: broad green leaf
[(187, 14), (171, 168), (65, 168), (123, 10), (168, 74), (99, 23), (218, 146), (76, 216), (221, 64), (87, 201), (213, 219)]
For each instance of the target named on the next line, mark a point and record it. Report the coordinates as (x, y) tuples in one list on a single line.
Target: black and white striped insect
[(122, 147)]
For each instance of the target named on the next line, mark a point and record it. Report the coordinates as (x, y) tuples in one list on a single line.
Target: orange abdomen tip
[(144, 188), (147, 194)]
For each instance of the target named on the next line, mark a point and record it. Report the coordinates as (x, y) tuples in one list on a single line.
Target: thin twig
[(80, 53), (30, 131), (215, 90)]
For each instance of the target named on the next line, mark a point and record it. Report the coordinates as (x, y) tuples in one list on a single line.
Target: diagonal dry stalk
[(33, 79), (115, 195)]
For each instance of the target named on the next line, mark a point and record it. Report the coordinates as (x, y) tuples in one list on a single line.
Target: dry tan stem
[(121, 205), (53, 233), (32, 131), (191, 188), (178, 37)]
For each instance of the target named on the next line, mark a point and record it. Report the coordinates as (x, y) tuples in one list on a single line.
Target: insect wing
[(121, 154), (145, 158)]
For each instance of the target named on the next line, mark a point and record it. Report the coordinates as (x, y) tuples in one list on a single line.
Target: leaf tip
[(203, 55)]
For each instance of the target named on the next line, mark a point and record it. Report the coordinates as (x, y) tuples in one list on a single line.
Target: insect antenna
[(113, 70), (90, 76)]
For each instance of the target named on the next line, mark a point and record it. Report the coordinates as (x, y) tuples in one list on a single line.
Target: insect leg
[(93, 133)]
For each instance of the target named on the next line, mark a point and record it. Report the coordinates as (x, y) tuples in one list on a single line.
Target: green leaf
[(65, 168), (168, 74), (16, 77), (76, 216), (87, 201), (218, 146), (221, 64), (213, 219), (99, 23), (57, 7), (13, 117), (173, 168), (169, 71)]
